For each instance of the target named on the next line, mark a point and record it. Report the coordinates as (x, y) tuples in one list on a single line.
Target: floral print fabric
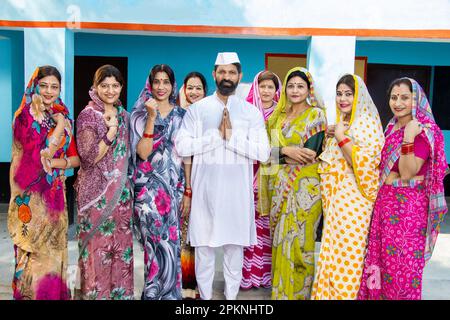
[(159, 186), (104, 197)]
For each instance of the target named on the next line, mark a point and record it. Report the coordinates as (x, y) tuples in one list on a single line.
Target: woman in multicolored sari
[(158, 178), (410, 206), (349, 185), (296, 129), (257, 265), (194, 89), (104, 194), (37, 217)]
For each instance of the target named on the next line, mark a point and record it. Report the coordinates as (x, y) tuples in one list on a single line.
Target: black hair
[(269, 75), (347, 80), (162, 68), (398, 82), (300, 74), (195, 74), (46, 71), (106, 71)]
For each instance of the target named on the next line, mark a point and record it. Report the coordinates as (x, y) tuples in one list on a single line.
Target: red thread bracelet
[(188, 193)]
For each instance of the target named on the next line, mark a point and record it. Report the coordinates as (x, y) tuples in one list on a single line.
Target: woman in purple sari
[(410, 205), (104, 192), (158, 178)]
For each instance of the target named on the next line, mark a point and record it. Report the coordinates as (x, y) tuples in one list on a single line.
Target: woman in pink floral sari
[(410, 205), (37, 216), (104, 192)]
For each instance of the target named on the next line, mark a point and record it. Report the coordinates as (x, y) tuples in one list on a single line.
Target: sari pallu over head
[(366, 133), (105, 189), (138, 121), (277, 140), (32, 129), (254, 97), (112, 168), (434, 179)]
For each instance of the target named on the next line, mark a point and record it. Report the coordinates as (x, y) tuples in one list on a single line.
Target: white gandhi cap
[(226, 58)]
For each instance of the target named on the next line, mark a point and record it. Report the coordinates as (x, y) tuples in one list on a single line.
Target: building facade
[(379, 40)]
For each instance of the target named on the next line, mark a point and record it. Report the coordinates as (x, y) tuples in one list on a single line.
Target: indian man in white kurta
[(225, 134)]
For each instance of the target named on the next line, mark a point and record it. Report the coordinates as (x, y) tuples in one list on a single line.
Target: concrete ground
[(436, 284)]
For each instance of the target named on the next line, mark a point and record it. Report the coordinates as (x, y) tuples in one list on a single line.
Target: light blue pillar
[(6, 100), (328, 59), (51, 46)]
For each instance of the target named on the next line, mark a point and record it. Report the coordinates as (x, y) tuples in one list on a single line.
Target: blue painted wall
[(408, 53), (183, 54), (11, 86), (17, 66), (6, 99)]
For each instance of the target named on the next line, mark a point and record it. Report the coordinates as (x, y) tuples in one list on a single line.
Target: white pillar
[(328, 59), (51, 46)]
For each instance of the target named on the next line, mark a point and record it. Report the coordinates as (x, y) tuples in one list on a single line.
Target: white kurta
[(222, 209)]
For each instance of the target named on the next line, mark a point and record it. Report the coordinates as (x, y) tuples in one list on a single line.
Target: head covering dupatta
[(278, 141), (434, 179), (32, 128), (254, 96)]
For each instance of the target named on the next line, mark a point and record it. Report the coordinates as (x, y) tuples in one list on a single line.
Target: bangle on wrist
[(107, 141), (68, 164), (407, 148), (343, 142), (149, 136)]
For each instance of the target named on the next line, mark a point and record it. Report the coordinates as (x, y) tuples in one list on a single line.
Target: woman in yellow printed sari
[(296, 130), (349, 185)]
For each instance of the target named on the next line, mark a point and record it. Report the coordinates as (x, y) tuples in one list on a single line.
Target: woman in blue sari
[(158, 178)]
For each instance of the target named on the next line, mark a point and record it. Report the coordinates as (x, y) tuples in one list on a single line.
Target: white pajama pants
[(233, 257)]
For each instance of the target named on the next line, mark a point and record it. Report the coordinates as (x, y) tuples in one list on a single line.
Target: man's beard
[(228, 89)]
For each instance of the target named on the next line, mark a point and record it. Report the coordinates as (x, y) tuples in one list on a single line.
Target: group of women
[(381, 195)]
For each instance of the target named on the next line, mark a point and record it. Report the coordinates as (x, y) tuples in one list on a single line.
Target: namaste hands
[(225, 125)]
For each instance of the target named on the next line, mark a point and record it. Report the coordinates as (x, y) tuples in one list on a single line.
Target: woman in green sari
[(290, 185)]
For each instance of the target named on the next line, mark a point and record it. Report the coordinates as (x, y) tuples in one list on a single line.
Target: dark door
[(85, 67), (379, 77)]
